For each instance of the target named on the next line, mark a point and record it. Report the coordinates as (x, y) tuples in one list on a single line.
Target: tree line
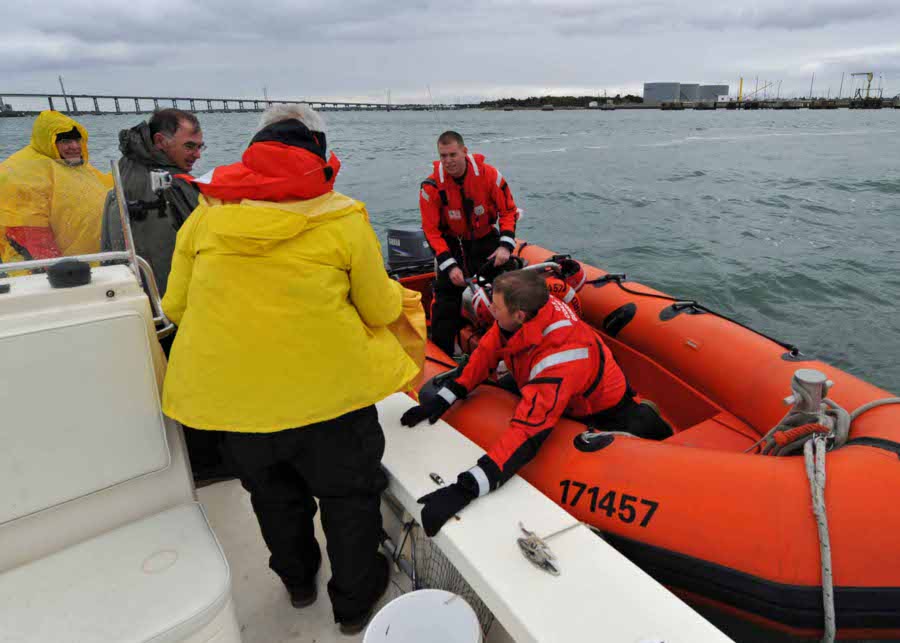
[(560, 101)]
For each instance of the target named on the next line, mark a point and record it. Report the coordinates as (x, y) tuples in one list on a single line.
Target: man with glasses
[(171, 142)]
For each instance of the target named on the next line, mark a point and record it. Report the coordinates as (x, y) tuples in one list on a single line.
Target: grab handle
[(164, 326)]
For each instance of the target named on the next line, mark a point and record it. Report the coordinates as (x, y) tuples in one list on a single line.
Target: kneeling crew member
[(461, 203), (561, 367)]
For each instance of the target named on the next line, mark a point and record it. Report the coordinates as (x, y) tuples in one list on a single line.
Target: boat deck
[(266, 615), (263, 608)]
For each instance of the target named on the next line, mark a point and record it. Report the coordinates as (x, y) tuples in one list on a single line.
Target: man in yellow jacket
[(283, 305), (51, 197)]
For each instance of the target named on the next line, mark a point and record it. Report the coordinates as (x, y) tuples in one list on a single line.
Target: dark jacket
[(154, 222)]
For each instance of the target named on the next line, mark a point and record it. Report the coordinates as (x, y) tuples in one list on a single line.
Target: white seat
[(101, 539), (161, 579)]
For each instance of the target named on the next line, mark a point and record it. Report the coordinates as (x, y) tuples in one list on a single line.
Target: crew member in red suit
[(560, 365), (462, 203)]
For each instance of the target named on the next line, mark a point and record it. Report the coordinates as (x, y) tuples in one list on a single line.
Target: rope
[(798, 427), (873, 404), (842, 420), (814, 456), (814, 431), (617, 279)]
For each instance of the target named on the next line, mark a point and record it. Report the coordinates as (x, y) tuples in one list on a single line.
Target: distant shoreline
[(547, 107)]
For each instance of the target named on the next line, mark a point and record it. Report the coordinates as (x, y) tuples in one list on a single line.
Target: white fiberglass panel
[(80, 412)]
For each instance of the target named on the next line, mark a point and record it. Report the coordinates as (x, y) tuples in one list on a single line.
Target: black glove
[(432, 409), (442, 504)]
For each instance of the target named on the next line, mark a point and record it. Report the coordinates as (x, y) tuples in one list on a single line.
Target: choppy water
[(787, 221)]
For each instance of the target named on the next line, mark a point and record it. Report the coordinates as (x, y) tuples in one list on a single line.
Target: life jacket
[(469, 211), (284, 162)]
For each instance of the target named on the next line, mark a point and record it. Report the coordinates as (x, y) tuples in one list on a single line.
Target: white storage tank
[(656, 93)]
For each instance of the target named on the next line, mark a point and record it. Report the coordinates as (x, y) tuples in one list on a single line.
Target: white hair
[(293, 111)]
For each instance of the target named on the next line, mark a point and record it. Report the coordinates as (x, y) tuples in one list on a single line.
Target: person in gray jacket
[(172, 142)]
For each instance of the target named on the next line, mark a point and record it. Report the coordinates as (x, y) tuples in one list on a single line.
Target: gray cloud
[(799, 15), (359, 48), (604, 18), (184, 25)]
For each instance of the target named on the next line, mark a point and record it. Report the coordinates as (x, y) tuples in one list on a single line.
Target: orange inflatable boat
[(706, 512)]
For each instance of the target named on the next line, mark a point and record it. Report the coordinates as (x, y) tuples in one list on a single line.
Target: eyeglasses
[(194, 147)]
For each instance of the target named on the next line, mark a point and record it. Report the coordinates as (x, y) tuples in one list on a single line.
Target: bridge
[(76, 104)]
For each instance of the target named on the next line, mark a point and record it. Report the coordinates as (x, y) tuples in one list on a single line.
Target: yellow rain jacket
[(38, 189), (283, 313)]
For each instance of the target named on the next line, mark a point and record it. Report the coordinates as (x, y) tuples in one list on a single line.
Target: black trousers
[(446, 320), (338, 462), (631, 417), (204, 447)]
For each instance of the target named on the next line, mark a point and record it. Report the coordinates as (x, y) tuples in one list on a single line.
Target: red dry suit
[(560, 365), (468, 211)]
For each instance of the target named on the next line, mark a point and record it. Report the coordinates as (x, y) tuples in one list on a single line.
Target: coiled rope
[(817, 433)]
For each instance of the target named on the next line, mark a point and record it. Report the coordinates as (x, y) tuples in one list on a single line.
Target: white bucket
[(431, 615)]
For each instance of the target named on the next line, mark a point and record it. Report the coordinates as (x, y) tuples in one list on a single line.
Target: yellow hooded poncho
[(284, 313), (38, 189)]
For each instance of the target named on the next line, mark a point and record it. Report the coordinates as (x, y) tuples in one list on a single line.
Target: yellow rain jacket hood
[(39, 190), (283, 312)]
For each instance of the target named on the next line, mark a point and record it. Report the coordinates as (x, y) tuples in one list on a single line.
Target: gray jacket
[(154, 222)]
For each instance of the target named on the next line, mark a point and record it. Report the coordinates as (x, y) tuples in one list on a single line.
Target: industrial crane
[(742, 96), (869, 76)]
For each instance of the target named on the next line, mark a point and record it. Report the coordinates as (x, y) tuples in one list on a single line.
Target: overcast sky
[(470, 49)]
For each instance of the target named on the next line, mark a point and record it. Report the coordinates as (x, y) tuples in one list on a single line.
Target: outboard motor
[(408, 251)]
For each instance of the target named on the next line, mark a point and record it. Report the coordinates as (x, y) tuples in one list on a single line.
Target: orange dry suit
[(466, 211)]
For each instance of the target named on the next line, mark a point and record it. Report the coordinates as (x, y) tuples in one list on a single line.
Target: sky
[(441, 51)]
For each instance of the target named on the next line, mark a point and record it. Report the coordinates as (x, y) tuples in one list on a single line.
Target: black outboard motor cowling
[(408, 251)]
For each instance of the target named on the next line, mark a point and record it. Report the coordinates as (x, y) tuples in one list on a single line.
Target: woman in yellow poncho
[(51, 197)]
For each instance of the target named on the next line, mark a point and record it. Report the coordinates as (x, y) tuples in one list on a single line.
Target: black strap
[(617, 279), (24, 252), (878, 443), (596, 382), (433, 184), (428, 358), (138, 210)]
